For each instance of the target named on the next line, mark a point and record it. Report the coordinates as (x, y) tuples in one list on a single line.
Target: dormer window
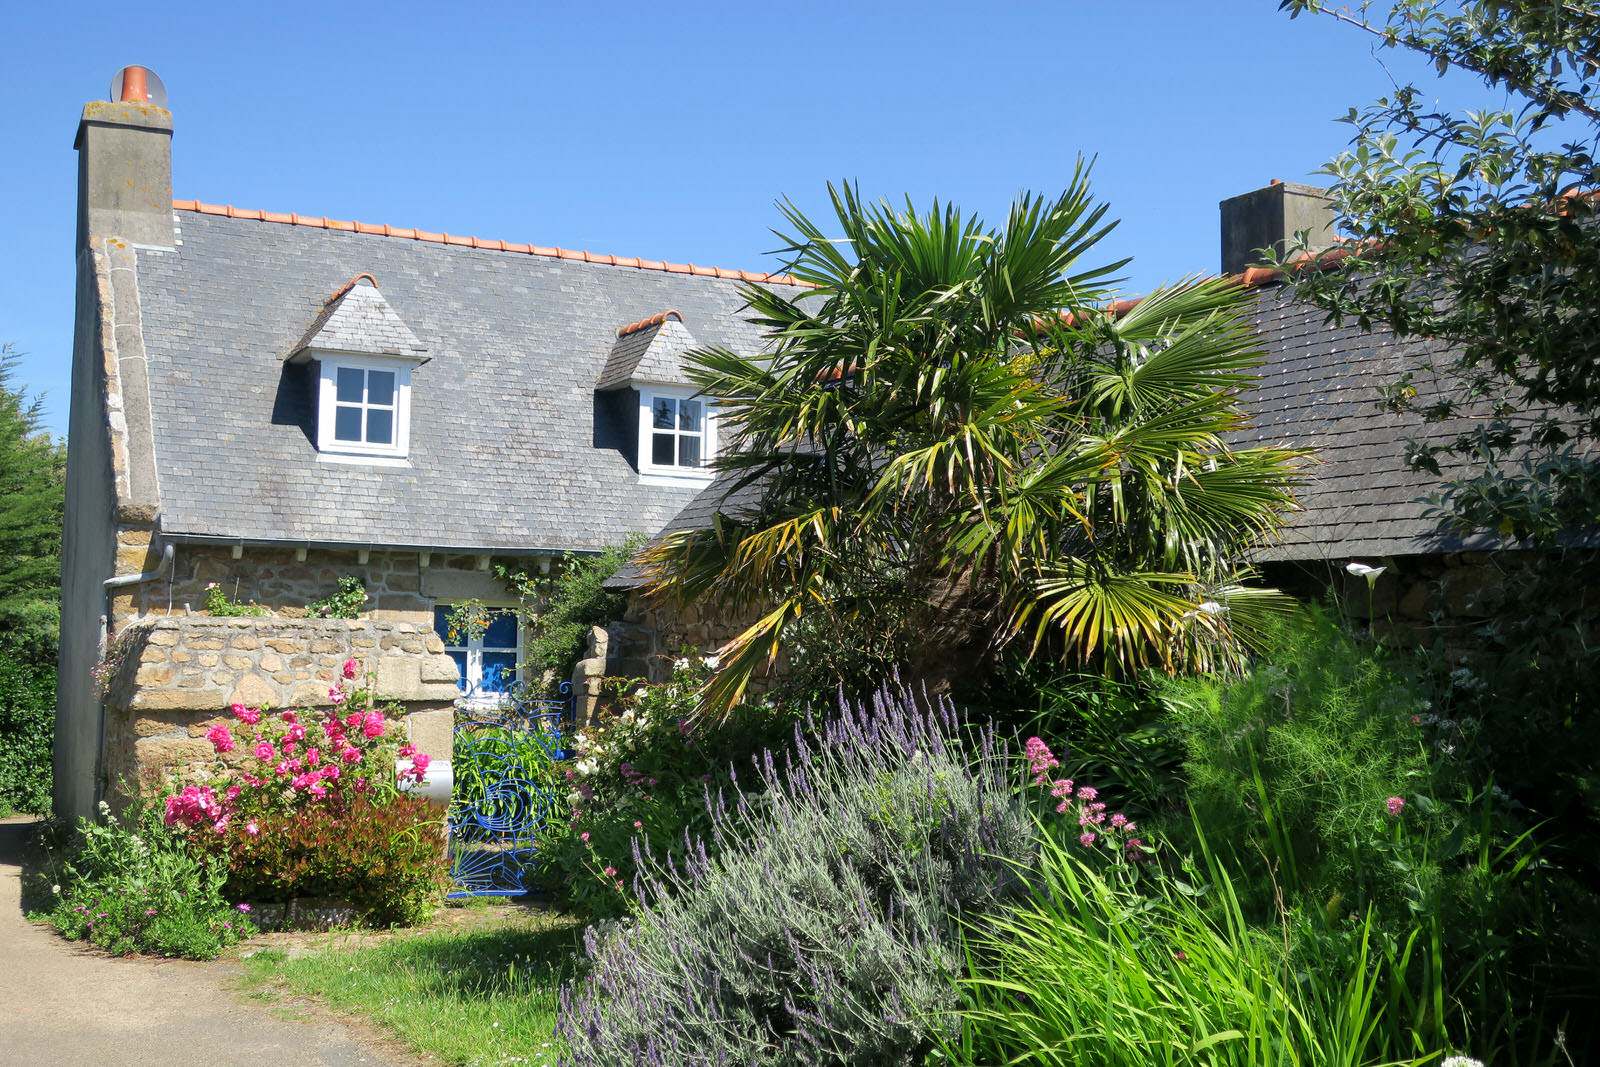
[(677, 435), (363, 406), (364, 355)]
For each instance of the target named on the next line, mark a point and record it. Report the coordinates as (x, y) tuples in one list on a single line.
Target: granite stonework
[(400, 586), (178, 676)]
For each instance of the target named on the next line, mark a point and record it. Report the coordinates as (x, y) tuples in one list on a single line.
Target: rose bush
[(315, 808)]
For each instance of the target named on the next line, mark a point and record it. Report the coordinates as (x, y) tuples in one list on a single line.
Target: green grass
[(469, 998)]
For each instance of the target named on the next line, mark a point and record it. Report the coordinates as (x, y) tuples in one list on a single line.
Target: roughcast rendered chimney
[(125, 164), (1269, 218)]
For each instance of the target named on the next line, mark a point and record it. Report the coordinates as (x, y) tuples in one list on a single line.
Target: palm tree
[(959, 442)]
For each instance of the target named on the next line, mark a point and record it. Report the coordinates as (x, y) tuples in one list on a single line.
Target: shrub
[(137, 885), (1293, 763), (1346, 798), (344, 603), (218, 603), (27, 732), (824, 929), (643, 769), (315, 808), (384, 859)]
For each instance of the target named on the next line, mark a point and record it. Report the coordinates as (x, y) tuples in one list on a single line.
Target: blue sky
[(668, 130)]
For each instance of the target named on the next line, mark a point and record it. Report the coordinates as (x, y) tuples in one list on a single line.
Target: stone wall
[(401, 586), (1424, 600), (178, 676)]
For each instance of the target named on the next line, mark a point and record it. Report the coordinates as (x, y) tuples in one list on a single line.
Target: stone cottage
[(264, 403)]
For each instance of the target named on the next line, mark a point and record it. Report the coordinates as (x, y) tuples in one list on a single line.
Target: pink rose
[(350, 755), (221, 738), (264, 750), (313, 757), (349, 668)]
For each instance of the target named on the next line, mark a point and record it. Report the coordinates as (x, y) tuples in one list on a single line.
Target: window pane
[(461, 668), (380, 387), (689, 415), (499, 671), (662, 410), (502, 631), (688, 451), (348, 385), (346, 424), (661, 452), (380, 426)]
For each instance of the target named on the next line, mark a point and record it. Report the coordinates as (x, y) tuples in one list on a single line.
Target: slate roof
[(360, 320), (511, 446), (1318, 389), (651, 353)]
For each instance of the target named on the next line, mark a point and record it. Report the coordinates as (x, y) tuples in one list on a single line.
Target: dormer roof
[(649, 351), (359, 321)]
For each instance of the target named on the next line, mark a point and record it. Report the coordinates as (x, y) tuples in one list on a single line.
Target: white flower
[(56, 890), (1461, 1061), (1210, 607), (1361, 570), (682, 663), (711, 661)]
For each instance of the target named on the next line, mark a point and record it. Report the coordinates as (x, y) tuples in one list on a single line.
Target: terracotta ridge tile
[(651, 320), (408, 233)]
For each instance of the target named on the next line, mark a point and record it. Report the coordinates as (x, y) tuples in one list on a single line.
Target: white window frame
[(329, 365), (472, 694), (651, 472)]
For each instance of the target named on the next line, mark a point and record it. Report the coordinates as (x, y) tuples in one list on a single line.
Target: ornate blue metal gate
[(505, 788)]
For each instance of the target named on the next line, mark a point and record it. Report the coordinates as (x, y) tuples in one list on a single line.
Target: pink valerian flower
[(349, 668), (1040, 759), (1395, 805), (611, 872), (1086, 839), (221, 738)]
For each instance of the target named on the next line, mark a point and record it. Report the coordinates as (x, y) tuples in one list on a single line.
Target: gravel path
[(66, 1004)]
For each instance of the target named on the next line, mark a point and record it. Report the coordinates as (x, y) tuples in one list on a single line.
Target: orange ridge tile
[(634, 262), (653, 320)]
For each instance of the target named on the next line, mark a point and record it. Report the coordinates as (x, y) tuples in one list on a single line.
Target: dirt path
[(68, 1005)]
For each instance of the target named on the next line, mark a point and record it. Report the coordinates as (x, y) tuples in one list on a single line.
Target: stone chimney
[(1270, 218), (125, 163)]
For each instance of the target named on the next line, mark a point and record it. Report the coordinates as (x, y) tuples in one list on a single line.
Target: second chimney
[(1270, 218)]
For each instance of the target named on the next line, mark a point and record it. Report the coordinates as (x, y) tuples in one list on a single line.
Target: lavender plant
[(820, 924)]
